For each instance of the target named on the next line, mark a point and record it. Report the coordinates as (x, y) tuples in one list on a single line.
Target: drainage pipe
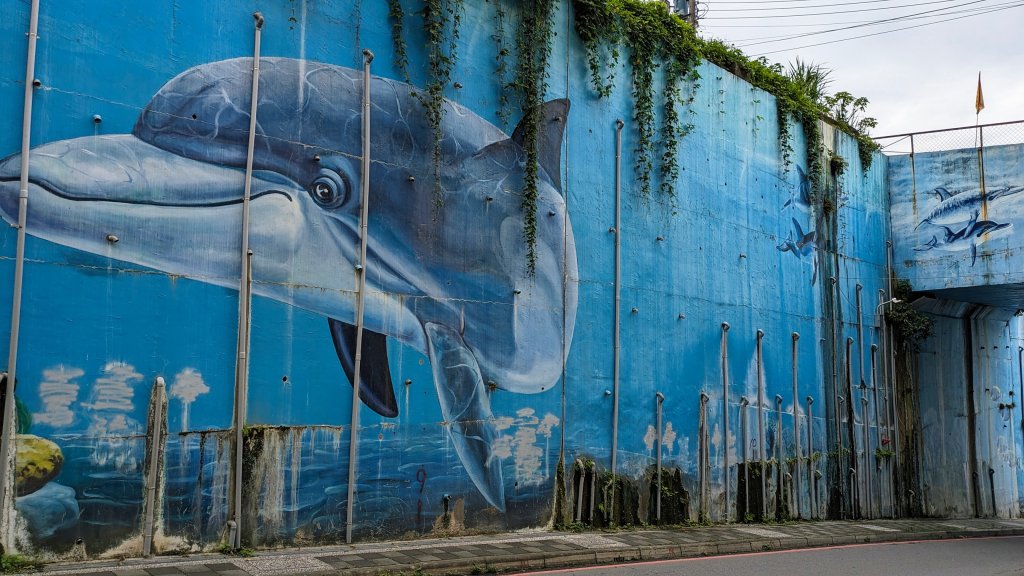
[(860, 333), (704, 459), (364, 239), (813, 489), (153, 470), (878, 425), (660, 399), (245, 294), (760, 423), (854, 512), (888, 391), (578, 516), (796, 428), (746, 466), (851, 424), (895, 423), (1020, 380), (725, 414), (779, 457), (619, 124), (868, 504), (7, 439)]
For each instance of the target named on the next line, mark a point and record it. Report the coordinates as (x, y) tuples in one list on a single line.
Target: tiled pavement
[(538, 549)]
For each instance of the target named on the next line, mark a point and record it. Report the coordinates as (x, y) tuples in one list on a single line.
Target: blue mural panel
[(478, 376), (956, 217)]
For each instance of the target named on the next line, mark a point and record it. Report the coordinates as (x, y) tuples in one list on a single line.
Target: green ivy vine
[(397, 17), (441, 23), (533, 51), (501, 69), (652, 36), (910, 326)]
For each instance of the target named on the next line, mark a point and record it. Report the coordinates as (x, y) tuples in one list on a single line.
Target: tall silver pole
[(796, 427), (245, 299), (760, 425), (364, 238), (660, 398), (811, 481), (619, 124), (9, 428), (725, 415)]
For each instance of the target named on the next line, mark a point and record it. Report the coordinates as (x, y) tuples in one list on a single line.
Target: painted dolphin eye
[(329, 189)]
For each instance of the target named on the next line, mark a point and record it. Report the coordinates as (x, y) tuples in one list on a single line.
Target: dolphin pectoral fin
[(466, 409), (549, 137), (375, 388), (974, 253)]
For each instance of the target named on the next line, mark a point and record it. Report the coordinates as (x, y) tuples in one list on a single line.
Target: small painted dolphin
[(802, 245), (802, 195), (449, 278), (955, 209), (967, 235)]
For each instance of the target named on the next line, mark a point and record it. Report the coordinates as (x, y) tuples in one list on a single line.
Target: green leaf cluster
[(533, 52), (653, 36), (910, 326)]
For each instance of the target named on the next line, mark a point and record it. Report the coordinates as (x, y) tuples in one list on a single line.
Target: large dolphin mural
[(448, 278)]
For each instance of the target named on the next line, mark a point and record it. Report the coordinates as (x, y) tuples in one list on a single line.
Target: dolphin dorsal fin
[(942, 193), (375, 389), (550, 129)]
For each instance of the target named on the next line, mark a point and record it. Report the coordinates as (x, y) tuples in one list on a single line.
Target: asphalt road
[(970, 557)]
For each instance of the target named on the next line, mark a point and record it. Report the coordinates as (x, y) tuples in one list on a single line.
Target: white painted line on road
[(1014, 523), (877, 528), (764, 532)]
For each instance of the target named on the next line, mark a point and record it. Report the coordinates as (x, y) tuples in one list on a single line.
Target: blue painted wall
[(956, 217), (98, 329)]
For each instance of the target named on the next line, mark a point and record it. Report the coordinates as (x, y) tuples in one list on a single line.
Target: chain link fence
[(966, 137)]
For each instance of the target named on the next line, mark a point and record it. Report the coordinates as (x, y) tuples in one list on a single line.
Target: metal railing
[(964, 137)]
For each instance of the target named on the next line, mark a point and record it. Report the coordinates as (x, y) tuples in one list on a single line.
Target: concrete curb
[(559, 550)]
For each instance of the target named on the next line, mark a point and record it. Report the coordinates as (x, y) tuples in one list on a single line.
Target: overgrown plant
[(653, 37), (440, 17), (397, 17), (533, 50), (910, 326)]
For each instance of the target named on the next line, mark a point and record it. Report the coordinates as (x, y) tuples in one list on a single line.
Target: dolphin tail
[(375, 389), (466, 409)]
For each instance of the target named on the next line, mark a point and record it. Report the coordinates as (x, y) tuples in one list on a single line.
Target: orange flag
[(979, 100)]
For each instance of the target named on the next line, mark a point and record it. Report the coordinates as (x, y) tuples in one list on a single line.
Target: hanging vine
[(533, 51), (439, 17), (397, 17), (501, 70), (597, 25), (651, 36)]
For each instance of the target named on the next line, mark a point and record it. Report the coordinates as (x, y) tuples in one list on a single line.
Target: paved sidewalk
[(541, 549)]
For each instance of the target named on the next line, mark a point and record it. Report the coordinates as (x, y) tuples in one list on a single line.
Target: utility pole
[(685, 8)]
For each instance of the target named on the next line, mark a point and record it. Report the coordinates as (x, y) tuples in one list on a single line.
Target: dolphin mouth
[(122, 169)]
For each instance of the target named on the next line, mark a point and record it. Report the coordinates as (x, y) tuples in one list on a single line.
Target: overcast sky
[(916, 79)]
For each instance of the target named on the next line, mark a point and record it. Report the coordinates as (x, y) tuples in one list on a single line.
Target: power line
[(883, 21), (889, 31), (783, 37), (839, 12), (840, 4)]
